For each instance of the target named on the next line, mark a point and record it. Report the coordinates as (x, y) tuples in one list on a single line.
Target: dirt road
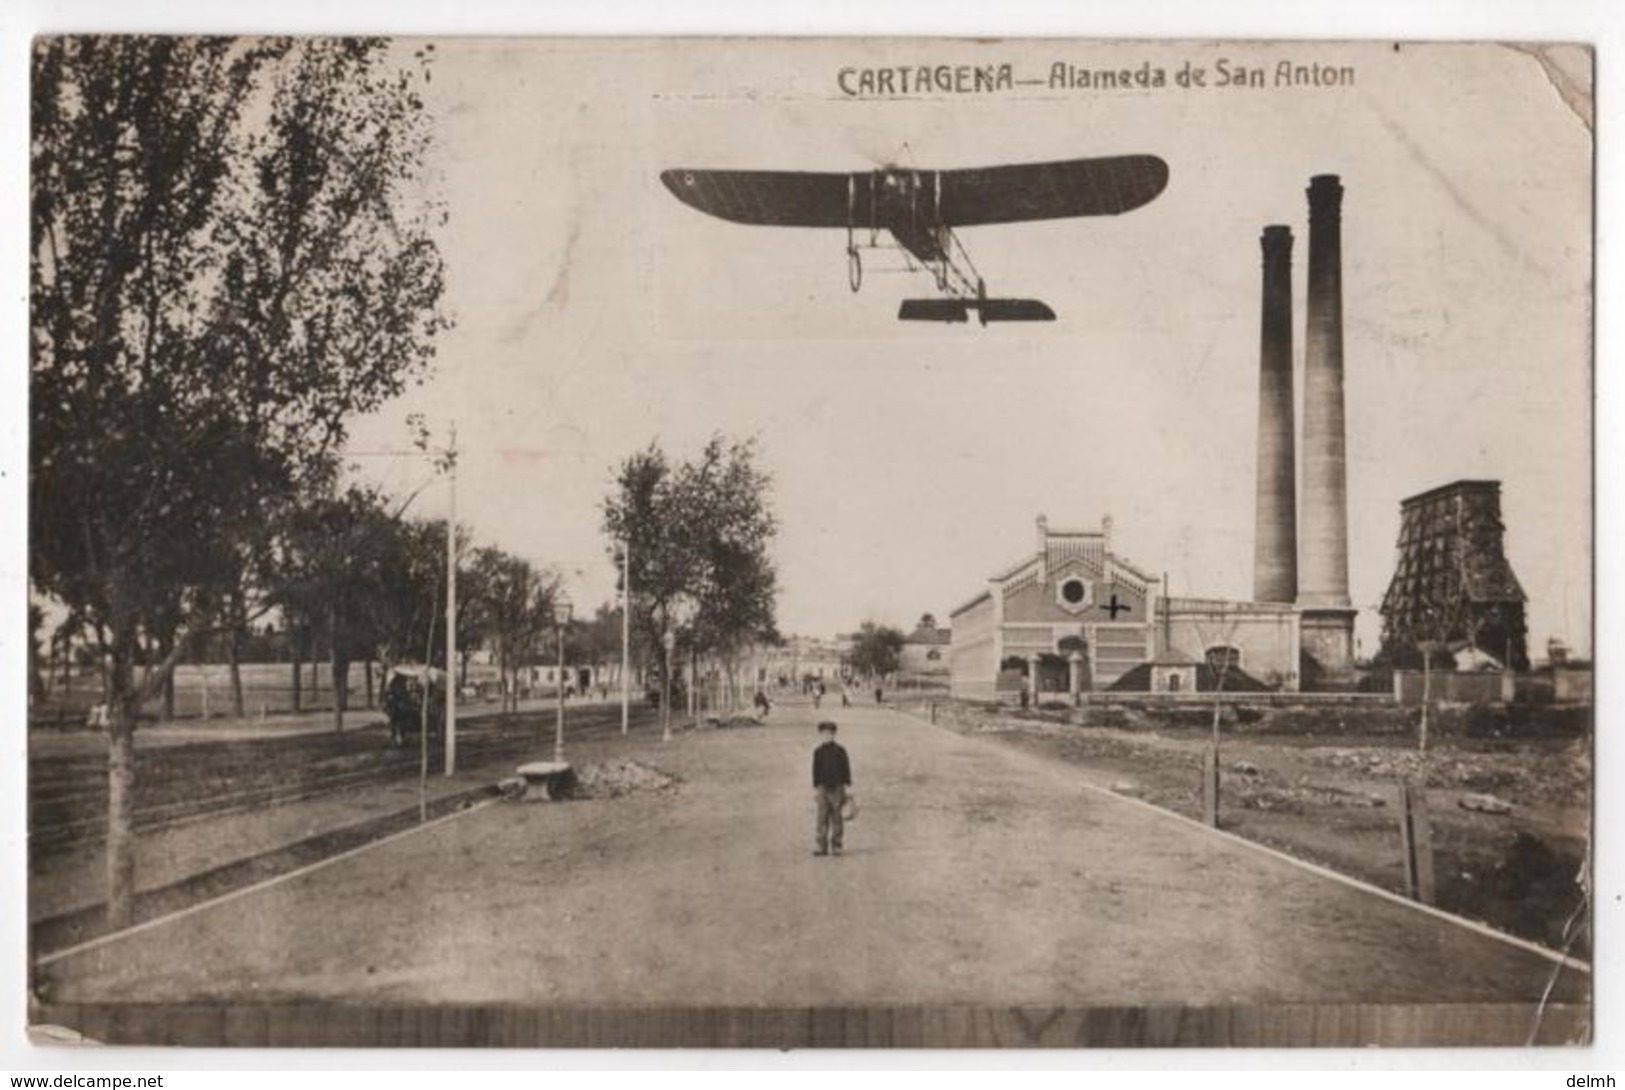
[(975, 874)]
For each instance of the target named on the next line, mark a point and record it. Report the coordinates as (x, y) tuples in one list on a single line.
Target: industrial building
[(1075, 617)]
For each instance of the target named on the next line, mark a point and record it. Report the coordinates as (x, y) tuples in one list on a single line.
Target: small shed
[(1172, 672)]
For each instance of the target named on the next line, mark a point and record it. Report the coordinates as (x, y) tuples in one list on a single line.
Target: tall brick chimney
[(1323, 540), (1275, 537), (1324, 568)]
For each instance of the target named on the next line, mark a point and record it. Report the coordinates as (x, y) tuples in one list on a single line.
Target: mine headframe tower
[(1453, 586)]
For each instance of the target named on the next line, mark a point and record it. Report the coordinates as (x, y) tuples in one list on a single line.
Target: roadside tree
[(219, 279), (513, 602), (877, 650), (700, 535)]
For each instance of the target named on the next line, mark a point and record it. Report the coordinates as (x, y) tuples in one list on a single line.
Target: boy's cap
[(828, 725)]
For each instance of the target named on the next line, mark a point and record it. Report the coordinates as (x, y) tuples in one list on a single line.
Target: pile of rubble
[(1387, 763), (617, 779), (1299, 798), (733, 721), (1554, 777)]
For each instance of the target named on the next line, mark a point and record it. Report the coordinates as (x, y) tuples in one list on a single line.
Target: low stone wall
[(1452, 687)]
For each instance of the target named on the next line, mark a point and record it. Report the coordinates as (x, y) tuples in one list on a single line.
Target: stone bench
[(547, 780)]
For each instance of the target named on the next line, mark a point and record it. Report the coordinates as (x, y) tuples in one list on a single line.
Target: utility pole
[(668, 641), (451, 609), (626, 633)]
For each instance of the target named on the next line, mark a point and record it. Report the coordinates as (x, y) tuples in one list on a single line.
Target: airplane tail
[(988, 310)]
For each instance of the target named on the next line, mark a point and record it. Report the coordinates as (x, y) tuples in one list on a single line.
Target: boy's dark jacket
[(830, 766)]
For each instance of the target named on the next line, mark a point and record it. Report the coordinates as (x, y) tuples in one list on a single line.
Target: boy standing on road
[(832, 775)]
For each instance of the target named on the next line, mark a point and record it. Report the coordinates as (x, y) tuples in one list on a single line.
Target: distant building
[(925, 651), (577, 678), (1452, 584), (1075, 617), (800, 657)]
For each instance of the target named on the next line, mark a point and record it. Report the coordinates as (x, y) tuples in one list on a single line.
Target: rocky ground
[(1510, 816)]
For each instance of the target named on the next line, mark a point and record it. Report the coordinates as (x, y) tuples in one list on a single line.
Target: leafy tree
[(409, 598), (699, 534), (877, 650), (642, 516), (597, 640), (220, 276), (513, 604), (329, 570), (731, 527)]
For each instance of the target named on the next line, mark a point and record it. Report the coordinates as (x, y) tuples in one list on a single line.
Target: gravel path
[(975, 874)]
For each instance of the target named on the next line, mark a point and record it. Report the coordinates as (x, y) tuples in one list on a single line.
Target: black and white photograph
[(824, 543)]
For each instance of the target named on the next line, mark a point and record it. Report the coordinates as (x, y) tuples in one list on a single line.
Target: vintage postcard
[(957, 543)]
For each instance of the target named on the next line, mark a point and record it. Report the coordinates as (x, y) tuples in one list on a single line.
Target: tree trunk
[(121, 818), (341, 685), (122, 709), (366, 668), (235, 671), (315, 664), (36, 677), (67, 681), (296, 655), (166, 644), (339, 667)]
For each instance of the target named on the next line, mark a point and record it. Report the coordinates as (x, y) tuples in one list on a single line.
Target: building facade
[(1074, 617), (925, 652)]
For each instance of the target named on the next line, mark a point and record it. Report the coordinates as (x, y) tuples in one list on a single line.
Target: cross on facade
[(1114, 607)]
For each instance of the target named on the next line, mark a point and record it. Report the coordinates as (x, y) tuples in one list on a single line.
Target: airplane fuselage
[(906, 203)]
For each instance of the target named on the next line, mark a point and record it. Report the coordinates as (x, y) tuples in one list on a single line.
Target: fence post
[(1210, 786), (1416, 841)]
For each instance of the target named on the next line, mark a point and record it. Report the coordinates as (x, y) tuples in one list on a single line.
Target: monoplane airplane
[(921, 210)]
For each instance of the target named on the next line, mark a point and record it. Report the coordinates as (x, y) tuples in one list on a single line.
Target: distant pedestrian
[(846, 701), (763, 705), (880, 694), (832, 775)]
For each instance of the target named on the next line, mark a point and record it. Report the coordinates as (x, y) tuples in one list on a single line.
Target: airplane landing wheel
[(854, 268)]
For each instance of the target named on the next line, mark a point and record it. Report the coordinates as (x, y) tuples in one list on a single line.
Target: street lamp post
[(561, 620)]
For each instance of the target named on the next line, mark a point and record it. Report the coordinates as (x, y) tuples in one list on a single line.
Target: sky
[(596, 314)]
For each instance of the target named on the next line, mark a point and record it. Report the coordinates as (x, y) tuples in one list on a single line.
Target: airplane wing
[(772, 198), (1044, 191), (1001, 194)]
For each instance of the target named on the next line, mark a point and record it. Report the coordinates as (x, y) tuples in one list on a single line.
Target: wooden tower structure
[(1452, 585)]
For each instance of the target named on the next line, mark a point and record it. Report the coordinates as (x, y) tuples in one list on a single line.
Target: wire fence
[(201, 693), (72, 699)]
